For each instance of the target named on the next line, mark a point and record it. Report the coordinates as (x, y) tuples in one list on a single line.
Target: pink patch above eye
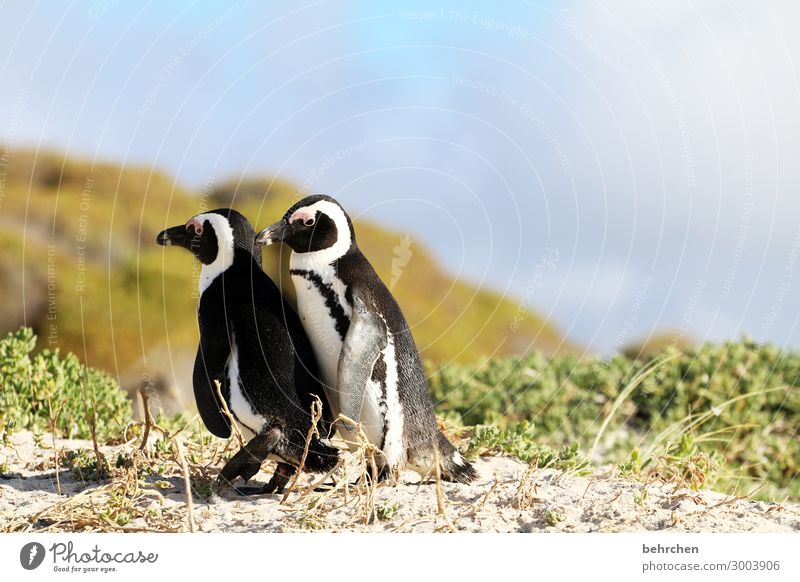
[(196, 225), (303, 215)]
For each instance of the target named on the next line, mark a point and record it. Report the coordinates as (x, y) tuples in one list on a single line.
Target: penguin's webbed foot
[(247, 461), (243, 464), (280, 478)]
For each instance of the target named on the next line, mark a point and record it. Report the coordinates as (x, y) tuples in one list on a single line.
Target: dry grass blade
[(359, 466), (688, 473), (312, 488), (477, 508), (527, 489), (316, 415), (229, 414), (441, 500), (99, 459), (364, 452), (53, 421), (25, 524), (187, 484), (148, 418), (736, 498)]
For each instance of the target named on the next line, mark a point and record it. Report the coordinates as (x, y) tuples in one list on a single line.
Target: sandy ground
[(506, 498)]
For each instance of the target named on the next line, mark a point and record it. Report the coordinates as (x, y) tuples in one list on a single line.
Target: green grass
[(553, 518), (387, 511), (84, 466)]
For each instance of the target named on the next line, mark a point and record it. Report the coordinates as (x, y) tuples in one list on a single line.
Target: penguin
[(251, 342), (370, 366)]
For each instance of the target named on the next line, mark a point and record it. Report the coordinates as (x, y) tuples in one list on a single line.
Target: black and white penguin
[(253, 344), (369, 362)]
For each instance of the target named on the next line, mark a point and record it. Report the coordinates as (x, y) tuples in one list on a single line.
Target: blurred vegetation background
[(81, 268)]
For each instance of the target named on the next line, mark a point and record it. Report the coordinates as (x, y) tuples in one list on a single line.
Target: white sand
[(500, 501)]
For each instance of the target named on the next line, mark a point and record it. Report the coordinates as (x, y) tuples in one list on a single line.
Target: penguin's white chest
[(320, 327)]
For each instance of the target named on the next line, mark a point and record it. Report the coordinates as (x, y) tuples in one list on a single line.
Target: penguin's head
[(316, 224), (213, 236)]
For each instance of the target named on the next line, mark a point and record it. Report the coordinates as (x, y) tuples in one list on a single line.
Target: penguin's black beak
[(272, 234), (172, 236)]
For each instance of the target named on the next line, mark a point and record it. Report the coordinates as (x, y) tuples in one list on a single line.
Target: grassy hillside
[(80, 266)]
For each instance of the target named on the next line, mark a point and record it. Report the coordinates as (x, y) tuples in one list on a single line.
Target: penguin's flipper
[(209, 365), (247, 461), (365, 340)]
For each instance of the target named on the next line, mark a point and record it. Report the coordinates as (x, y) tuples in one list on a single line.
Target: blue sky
[(651, 147)]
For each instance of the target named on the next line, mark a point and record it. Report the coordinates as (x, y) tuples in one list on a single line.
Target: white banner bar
[(618, 557)]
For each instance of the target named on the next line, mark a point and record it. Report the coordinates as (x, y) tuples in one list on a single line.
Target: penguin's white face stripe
[(343, 239), (225, 247)]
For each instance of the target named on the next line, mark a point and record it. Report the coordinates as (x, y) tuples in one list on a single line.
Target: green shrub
[(34, 386), (737, 402), (518, 440)]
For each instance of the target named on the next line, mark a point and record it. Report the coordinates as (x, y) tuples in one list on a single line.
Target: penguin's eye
[(309, 222), (195, 226)]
